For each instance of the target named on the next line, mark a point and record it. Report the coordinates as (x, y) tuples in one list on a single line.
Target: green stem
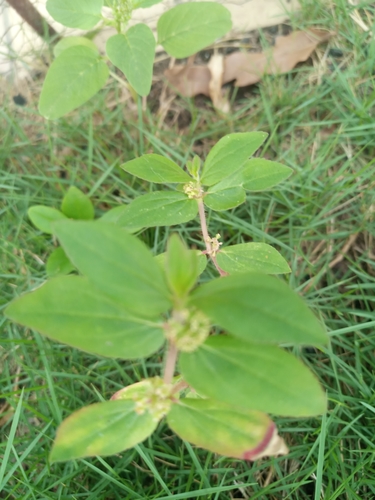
[(170, 363), (140, 125)]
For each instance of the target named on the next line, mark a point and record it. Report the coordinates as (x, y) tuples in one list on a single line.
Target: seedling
[(224, 369)]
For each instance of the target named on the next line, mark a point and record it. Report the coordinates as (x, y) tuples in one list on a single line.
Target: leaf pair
[(112, 427), (227, 172)]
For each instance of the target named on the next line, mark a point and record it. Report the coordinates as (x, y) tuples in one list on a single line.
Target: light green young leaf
[(253, 376), (73, 78), (160, 208), (72, 41), (181, 266), (42, 217), (259, 308), (58, 263), (134, 53), (156, 168), (70, 310), (260, 174), (143, 4), (229, 154), (226, 199), (258, 257), (222, 429), (101, 429), (188, 28), (83, 14), (118, 263), (77, 205), (202, 261)]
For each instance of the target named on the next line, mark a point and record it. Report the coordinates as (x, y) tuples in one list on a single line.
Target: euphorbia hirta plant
[(224, 370)]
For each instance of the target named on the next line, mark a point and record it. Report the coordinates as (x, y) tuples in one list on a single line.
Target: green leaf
[(118, 263), (73, 78), (160, 208), (113, 215), (181, 266), (72, 41), (202, 261), (134, 53), (246, 257), (188, 28), (58, 263), (259, 308), (260, 174), (156, 168), (42, 217), (143, 4), (101, 429), (76, 205), (70, 310), (226, 199), (83, 14), (253, 376), (222, 429), (229, 154)]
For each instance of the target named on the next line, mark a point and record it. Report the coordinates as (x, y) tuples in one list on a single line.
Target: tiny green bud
[(187, 329), (152, 395), (193, 190)]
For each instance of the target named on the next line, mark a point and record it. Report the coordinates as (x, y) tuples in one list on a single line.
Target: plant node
[(193, 190), (187, 329), (215, 245), (152, 395)]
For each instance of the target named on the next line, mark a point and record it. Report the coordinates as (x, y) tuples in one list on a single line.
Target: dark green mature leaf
[(42, 217), (260, 174), (72, 41), (156, 168), (188, 28), (229, 154), (134, 53), (72, 79), (70, 310), (259, 308), (77, 205), (58, 263), (118, 263), (181, 266), (160, 208), (226, 199), (246, 257), (101, 429), (83, 14), (202, 261), (220, 428), (253, 376)]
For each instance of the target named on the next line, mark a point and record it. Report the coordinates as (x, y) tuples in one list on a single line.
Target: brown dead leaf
[(189, 80), (248, 68)]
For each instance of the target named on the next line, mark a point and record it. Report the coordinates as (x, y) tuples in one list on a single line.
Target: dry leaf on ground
[(245, 68), (248, 68)]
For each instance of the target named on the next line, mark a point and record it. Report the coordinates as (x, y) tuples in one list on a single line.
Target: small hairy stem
[(207, 239), (170, 363)]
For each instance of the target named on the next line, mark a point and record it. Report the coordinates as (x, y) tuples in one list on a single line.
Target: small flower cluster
[(187, 329)]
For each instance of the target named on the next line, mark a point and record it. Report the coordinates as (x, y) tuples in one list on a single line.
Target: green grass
[(320, 120)]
